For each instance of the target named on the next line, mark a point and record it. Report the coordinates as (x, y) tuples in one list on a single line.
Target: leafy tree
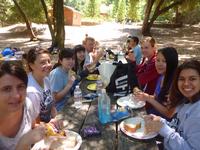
[(28, 24), (92, 8), (32, 9), (77, 4), (56, 24), (5, 6), (132, 12), (121, 12), (155, 8), (115, 8), (59, 24)]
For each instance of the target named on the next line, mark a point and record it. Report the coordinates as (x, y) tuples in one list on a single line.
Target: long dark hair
[(176, 97), (171, 57), (78, 48), (64, 53), (14, 68)]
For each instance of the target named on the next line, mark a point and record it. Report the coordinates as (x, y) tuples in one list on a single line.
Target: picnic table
[(111, 136)]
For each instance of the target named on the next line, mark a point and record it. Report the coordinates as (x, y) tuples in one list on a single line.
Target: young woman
[(61, 78), (17, 113), (166, 64), (183, 132), (79, 53), (39, 89)]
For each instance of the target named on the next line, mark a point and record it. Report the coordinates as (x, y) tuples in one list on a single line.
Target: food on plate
[(52, 131), (92, 86), (93, 77), (61, 143), (132, 127)]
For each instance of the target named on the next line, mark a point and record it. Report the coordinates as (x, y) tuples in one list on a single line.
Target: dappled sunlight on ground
[(185, 39)]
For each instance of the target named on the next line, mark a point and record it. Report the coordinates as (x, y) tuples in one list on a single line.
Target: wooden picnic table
[(111, 136)]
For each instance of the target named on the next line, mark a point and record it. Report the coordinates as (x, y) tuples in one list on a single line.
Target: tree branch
[(178, 2)]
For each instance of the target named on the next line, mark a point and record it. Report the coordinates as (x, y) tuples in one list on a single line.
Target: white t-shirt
[(41, 97), (29, 116)]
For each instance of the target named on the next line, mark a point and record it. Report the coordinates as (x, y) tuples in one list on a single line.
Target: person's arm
[(131, 56), (53, 112), (188, 140), (60, 94), (151, 99), (30, 138)]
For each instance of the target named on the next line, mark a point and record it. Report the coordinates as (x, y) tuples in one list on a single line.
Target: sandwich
[(132, 127)]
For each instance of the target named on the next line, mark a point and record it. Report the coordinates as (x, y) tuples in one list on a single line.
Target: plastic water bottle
[(99, 87), (104, 107), (77, 97)]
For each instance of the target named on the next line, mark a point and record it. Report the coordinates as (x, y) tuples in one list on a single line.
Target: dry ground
[(185, 39)]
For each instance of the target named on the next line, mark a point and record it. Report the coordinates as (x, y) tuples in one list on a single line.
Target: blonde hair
[(149, 39), (87, 38)]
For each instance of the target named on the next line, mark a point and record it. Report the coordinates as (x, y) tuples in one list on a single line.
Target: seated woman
[(79, 54), (62, 78), (39, 89), (17, 113), (183, 132), (166, 64)]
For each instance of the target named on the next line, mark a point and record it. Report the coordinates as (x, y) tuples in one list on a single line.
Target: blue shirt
[(137, 53), (58, 79)]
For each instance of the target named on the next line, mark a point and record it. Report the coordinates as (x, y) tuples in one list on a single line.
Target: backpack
[(123, 79)]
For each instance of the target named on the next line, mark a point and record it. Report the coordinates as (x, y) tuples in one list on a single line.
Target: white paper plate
[(45, 145), (130, 102), (139, 134)]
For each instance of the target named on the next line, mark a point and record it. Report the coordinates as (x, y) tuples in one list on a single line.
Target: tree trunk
[(49, 22), (148, 22), (145, 26), (60, 30), (28, 24)]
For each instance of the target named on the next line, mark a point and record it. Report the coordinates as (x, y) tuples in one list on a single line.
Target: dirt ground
[(186, 39)]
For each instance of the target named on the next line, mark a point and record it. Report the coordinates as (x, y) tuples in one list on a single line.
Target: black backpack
[(123, 79)]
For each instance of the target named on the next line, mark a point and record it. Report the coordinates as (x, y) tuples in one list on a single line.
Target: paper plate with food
[(93, 77), (136, 128), (62, 140), (92, 87), (131, 102)]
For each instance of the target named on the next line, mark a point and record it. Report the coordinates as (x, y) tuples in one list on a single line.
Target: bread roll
[(132, 127)]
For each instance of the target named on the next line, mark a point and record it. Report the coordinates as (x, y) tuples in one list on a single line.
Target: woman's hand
[(152, 123), (31, 137), (71, 80), (141, 96), (57, 123)]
